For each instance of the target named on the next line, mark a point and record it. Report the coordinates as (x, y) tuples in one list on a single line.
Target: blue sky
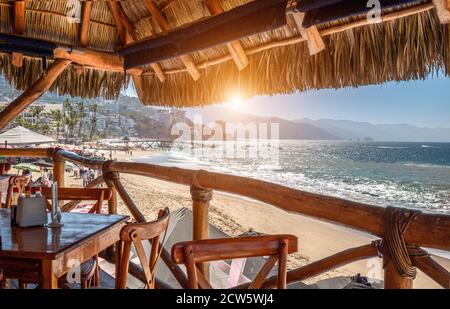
[(421, 103)]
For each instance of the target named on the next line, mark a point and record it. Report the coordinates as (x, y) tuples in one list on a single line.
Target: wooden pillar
[(393, 279), (200, 214), (58, 172), (112, 203)]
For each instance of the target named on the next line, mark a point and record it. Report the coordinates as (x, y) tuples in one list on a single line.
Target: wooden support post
[(164, 25), (58, 172), (112, 202), (235, 48), (86, 8), (125, 28), (33, 93), (200, 213), (393, 279)]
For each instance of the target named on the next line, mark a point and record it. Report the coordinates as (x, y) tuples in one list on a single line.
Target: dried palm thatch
[(407, 48)]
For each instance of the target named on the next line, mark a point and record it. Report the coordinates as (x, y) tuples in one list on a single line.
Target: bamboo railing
[(426, 229)]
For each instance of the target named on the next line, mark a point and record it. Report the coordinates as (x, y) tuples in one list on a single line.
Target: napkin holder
[(31, 211)]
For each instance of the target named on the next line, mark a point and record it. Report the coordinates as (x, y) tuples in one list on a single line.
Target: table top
[(50, 243)]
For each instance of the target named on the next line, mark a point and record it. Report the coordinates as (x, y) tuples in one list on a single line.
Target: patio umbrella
[(26, 166), (42, 163)]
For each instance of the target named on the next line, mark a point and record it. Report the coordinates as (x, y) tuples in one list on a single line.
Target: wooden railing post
[(58, 172), (111, 252), (392, 277), (200, 215)]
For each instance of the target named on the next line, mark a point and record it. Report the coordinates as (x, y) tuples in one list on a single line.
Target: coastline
[(235, 215)]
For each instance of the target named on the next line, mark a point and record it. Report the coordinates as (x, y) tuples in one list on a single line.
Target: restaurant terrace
[(187, 53)]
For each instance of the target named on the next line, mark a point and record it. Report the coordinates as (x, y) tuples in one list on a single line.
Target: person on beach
[(85, 177)]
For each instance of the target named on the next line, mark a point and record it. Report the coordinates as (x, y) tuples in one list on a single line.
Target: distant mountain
[(287, 129), (352, 130)]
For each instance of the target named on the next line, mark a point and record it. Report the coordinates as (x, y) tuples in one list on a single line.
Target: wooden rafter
[(242, 21), (125, 28), (235, 48), (161, 20), (83, 56), (19, 17), (33, 93), (18, 28), (86, 8)]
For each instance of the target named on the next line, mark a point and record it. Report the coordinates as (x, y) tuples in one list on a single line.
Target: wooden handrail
[(428, 230)]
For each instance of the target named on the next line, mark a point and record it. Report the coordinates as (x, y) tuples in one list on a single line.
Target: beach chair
[(275, 247), (134, 234)]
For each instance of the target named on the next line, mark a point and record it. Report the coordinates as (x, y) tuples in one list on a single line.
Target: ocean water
[(415, 175)]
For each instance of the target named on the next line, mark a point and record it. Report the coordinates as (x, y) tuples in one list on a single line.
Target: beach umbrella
[(27, 166), (42, 163)]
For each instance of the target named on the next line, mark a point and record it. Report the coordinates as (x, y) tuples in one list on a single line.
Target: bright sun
[(235, 101)]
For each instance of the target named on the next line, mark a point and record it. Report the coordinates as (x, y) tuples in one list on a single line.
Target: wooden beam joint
[(161, 20), (235, 48)]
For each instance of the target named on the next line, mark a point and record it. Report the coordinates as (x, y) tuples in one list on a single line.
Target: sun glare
[(235, 101)]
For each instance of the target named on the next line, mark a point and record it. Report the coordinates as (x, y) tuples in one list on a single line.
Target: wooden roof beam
[(164, 25), (235, 48), (19, 17), (125, 28), (86, 8), (346, 9), (30, 95), (237, 23), (18, 28)]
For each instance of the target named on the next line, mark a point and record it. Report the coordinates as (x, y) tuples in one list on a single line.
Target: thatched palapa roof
[(411, 43)]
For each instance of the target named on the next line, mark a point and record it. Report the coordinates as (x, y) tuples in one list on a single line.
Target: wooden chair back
[(14, 182), (4, 167), (80, 194), (276, 247), (134, 234)]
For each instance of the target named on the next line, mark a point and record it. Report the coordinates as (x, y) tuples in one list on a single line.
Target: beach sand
[(235, 215)]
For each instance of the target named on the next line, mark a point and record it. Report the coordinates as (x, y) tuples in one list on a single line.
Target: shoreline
[(235, 215)]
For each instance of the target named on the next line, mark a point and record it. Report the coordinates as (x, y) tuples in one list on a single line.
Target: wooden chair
[(276, 247), (14, 182), (99, 195), (90, 270), (4, 167), (134, 234)]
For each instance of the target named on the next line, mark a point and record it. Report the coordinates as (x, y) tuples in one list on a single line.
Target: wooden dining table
[(42, 255)]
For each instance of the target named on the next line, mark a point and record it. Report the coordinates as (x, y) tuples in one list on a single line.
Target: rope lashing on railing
[(393, 246)]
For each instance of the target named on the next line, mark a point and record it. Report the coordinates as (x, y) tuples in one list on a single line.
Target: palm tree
[(94, 110), (58, 117), (21, 121), (36, 112), (45, 129), (71, 118), (81, 117)]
